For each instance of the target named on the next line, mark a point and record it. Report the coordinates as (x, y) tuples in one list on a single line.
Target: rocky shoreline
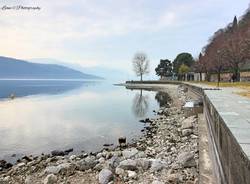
[(166, 153)]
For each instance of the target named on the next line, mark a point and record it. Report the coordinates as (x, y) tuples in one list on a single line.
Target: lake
[(47, 114)]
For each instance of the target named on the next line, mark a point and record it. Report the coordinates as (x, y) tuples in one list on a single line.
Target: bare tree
[(141, 64), (216, 52), (237, 47)]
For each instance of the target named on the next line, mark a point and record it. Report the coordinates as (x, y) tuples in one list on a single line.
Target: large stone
[(5, 165), (101, 160), (128, 165), (140, 154), (143, 163), (186, 132), (50, 179), (57, 153), (64, 168), (119, 171), (122, 140), (173, 178), (132, 174), (67, 168), (52, 170), (157, 165), (87, 163), (129, 153), (114, 161), (99, 155), (98, 167), (188, 122), (186, 159), (105, 176), (68, 151), (20, 164)]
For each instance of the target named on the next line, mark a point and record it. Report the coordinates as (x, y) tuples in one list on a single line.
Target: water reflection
[(83, 119), (140, 105), (163, 98), (20, 88)]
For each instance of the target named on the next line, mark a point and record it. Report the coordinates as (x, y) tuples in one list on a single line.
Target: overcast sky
[(109, 32)]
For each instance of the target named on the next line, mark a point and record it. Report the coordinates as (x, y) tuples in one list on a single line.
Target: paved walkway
[(235, 111)]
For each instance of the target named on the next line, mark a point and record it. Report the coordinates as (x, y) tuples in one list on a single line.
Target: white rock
[(157, 165), (50, 179), (188, 122), (157, 182), (119, 171), (52, 170), (6, 179), (141, 154), (132, 174), (65, 168), (72, 157), (21, 164), (99, 155), (101, 160), (105, 176), (129, 153), (143, 163), (128, 164), (87, 163)]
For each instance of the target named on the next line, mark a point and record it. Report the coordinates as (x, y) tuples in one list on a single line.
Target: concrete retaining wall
[(231, 163)]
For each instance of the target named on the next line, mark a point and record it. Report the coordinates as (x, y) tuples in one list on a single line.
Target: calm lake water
[(84, 115)]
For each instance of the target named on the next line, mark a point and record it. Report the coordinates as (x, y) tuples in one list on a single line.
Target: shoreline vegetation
[(243, 88), (167, 152)]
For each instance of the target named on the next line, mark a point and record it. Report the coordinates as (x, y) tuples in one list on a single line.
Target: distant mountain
[(111, 74), (20, 69)]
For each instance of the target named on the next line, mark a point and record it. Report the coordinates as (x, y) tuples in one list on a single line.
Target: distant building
[(227, 76)]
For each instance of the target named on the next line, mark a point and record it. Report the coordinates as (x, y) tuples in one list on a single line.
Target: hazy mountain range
[(102, 71), (19, 69)]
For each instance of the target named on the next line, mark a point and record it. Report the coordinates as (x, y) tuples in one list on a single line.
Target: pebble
[(105, 176), (50, 179)]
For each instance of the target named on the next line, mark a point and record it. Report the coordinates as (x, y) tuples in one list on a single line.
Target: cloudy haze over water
[(108, 32)]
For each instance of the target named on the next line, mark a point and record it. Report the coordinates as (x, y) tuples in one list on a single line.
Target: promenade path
[(234, 110)]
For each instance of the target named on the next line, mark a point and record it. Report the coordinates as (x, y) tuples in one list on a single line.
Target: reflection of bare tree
[(163, 98), (140, 105)]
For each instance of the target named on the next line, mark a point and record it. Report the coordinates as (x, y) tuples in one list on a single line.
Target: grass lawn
[(240, 85)]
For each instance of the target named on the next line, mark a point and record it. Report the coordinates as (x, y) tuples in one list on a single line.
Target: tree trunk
[(207, 77), (141, 77), (218, 78), (236, 72), (200, 76)]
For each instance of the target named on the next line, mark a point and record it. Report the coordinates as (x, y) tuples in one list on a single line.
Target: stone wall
[(234, 162)]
